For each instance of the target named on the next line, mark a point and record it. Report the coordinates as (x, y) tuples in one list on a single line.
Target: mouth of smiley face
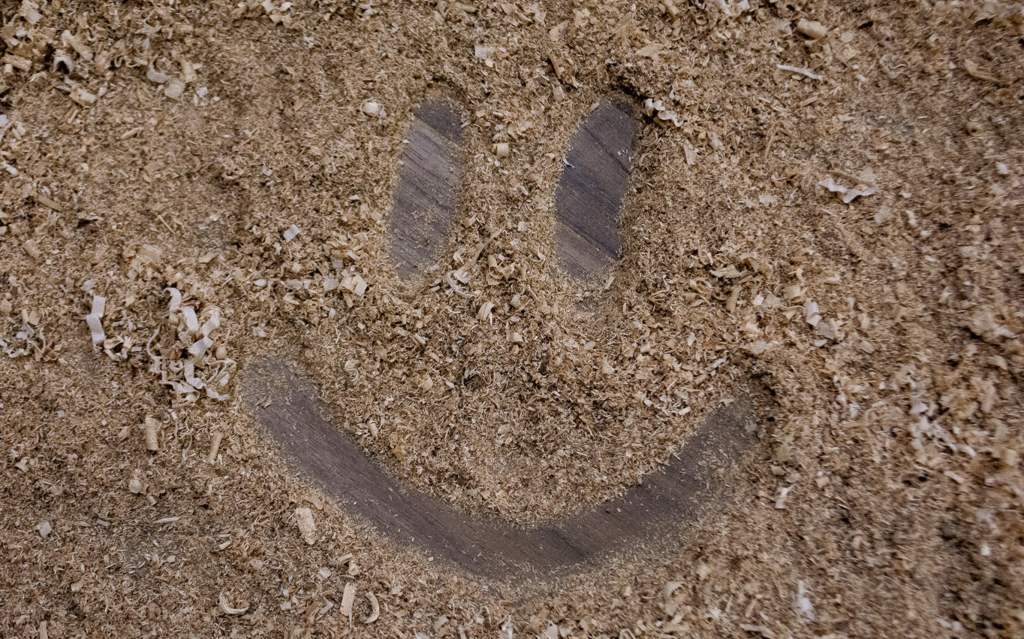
[(493, 401)]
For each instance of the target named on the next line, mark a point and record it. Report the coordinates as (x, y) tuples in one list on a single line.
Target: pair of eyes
[(587, 200), (588, 197)]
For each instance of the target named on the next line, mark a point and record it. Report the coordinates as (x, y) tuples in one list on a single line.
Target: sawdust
[(885, 499)]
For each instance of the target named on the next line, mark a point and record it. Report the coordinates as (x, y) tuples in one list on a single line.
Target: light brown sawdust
[(886, 498)]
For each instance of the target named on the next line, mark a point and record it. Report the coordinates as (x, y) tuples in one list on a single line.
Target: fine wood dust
[(824, 203)]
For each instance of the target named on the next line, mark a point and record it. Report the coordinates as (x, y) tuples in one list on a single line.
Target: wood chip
[(307, 527), (48, 203), (174, 88), (152, 431), (811, 28), (485, 311), (16, 61), (347, 599), (82, 97), (563, 70), (155, 76), (215, 441), (690, 153), (760, 630), (801, 71), (974, 70), (32, 249)]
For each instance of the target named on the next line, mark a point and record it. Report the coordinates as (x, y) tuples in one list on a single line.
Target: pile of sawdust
[(880, 332)]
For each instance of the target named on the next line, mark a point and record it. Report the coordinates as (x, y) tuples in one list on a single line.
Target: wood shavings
[(226, 607), (93, 320), (30, 11), (354, 284), (780, 503), (758, 348), (974, 70), (690, 153), (63, 62), (188, 70), (291, 233), (199, 347), (802, 603), (147, 259), (212, 324), (16, 61), (687, 202), (155, 76), (455, 287), (307, 527), (188, 315), (27, 337), (563, 68), (651, 51), (811, 313), (484, 313), (374, 609), (731, 8), (845, 194), (670, 588), (206, 368), (661, 113), (175, 302), (76, 43), (506, 630), (801, 71), (982, 322)]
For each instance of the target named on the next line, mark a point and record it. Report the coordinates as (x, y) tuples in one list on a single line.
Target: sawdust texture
[(825, 211)]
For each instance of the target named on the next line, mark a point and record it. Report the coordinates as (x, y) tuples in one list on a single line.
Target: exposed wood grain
[(666, 503), (591, 189), (428, 184)]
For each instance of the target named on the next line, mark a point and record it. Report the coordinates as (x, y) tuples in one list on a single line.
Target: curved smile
[(590, 193)]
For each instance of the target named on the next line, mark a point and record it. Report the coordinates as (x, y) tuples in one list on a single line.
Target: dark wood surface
[(428, 184), (591, 188), (665, 504)]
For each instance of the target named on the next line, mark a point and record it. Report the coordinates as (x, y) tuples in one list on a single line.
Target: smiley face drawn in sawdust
[(510, 356)]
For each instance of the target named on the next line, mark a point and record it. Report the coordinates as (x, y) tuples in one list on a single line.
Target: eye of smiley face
[(523, 366)]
